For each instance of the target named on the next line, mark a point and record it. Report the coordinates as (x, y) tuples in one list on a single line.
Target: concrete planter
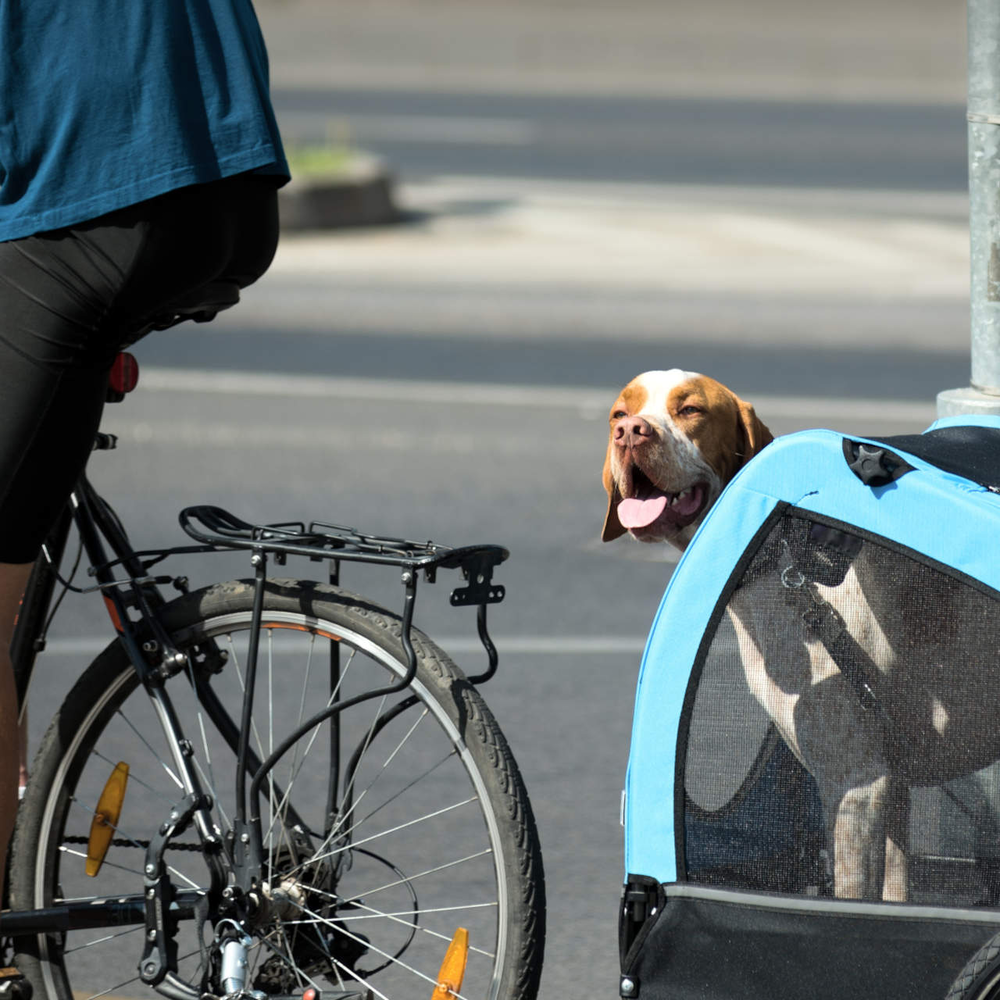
[(359, 195)]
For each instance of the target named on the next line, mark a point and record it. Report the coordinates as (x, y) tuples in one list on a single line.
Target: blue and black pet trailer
[(730, 886)]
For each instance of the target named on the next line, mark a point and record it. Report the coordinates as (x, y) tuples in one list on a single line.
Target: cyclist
[(139, 167)]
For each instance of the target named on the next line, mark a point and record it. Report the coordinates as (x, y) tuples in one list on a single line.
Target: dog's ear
[(755, 434), (612, 526)]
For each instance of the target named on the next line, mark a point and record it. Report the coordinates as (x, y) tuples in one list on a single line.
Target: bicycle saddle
[(201, 305)]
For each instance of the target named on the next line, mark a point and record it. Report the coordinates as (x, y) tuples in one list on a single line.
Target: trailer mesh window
[(885, 710)]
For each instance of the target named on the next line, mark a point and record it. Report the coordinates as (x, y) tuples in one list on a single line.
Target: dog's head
[(676, 439)]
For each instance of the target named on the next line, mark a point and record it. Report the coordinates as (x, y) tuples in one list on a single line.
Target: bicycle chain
[(144, 844)]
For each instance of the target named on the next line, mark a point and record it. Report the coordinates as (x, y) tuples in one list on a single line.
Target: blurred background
[(546, 198)]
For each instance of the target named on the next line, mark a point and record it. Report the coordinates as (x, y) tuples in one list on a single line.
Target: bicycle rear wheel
[(385, 830)]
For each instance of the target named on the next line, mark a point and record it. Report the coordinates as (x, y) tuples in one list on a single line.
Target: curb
[(363, 195)]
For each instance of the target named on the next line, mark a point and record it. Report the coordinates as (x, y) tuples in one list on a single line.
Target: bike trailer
[(732, 888)]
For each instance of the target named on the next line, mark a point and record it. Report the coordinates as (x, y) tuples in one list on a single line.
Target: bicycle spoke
[(369, 736), (89, 813), (423, 874), (397, 917), (396, 829), (282, 806), (374, 914), (318, 855), (102, 940), (313, 735), (334, 694), (63, 849), (403, 790), (181, 875), (239, 675), (356, 802), (159, 759), (166, 799), (208, 779), (356, 900), (371, 947)]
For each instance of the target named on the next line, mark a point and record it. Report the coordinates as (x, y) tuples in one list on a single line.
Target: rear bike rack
[(318, 540)]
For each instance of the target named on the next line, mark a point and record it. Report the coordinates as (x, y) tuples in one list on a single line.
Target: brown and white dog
[(675, 440)]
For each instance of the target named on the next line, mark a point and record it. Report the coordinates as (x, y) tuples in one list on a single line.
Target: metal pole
[(983, 394)]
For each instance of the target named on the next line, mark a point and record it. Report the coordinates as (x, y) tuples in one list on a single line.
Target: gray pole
[(983, 394)]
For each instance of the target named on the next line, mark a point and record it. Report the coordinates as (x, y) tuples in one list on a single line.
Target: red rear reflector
[(124, 374)]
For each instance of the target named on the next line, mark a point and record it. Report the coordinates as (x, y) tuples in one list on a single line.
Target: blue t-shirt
[(105, 103)]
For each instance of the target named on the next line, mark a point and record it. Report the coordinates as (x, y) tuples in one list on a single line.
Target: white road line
[(480, 394), (869, 203)]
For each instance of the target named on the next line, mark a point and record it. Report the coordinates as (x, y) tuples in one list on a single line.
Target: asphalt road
[(523, 360), (641, 139), (450, 377)]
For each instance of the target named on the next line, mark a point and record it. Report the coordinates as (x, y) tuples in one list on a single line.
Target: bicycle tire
[(980, 978), (508, 915)]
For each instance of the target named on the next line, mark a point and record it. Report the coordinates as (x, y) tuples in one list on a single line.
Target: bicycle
[(202, 823)]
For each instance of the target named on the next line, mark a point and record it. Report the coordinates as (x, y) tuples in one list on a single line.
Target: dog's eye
[(618, 414), (689, 411)]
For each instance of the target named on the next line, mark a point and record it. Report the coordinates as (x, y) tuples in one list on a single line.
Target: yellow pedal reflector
[(102, 827), (453, 967)]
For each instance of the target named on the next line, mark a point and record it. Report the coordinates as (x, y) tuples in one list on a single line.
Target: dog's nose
[(632, 431)]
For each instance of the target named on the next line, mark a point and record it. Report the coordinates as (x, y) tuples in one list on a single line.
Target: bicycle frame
[(151, 652), (99, 531)]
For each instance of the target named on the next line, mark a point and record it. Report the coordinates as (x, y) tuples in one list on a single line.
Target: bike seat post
[(250, 834)]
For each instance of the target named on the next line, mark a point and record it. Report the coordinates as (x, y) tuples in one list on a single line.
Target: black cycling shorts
[(70, 299)]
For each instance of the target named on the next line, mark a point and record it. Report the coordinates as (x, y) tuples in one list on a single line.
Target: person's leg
[(68, 301), (49, 411)]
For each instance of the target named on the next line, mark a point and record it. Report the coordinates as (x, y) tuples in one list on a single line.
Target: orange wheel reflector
[(109, 808), (113, 614), (453, 967)]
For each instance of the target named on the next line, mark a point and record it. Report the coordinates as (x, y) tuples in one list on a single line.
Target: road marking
[(602, 237), (871, 204), (591, 402), (540, 645)]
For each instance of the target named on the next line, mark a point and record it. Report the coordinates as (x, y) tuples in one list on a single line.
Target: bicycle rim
[(367, 878)]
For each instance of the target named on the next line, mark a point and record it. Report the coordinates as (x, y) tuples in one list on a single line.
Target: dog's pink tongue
[(635, 513)]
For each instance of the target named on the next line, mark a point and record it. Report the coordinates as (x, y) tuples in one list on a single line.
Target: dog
[(675, 440)]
